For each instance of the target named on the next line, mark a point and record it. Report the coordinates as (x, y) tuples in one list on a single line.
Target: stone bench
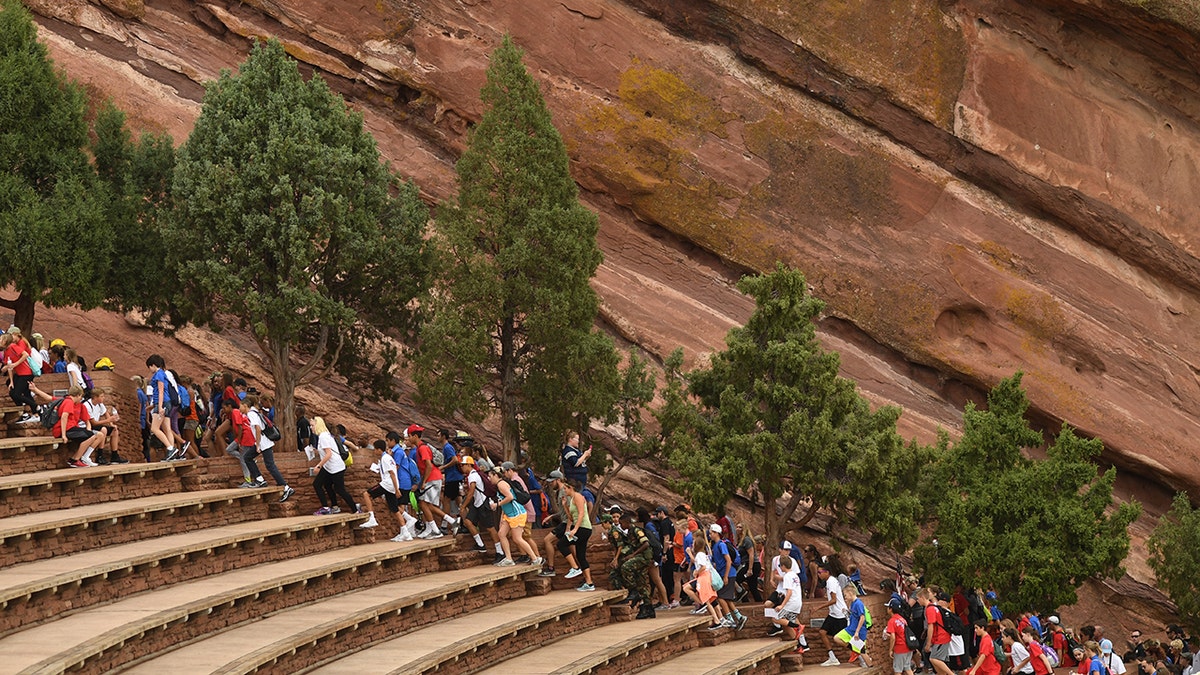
[(44, 534), (101, 639), (29, 454), (292, 640), (615, 649), (757, 656), (36, 591), (66, 488), (481, 638)]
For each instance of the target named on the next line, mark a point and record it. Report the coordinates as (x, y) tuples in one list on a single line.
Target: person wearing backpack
[(937, 637), (525, 498), (855, 633), (263, 445), (1041, 663), (478, 516), (901, 640), (162, 397), (429, 493), (725, 564), (512, 517), (989, 646)]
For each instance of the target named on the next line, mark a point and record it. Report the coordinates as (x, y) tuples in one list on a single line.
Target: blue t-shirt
[(1036, 623), (160, 375), (1096, 666), (719, 551), (143, 399), (60, 366), (857, 617), (185, 397), (402, 462), (452, 474)]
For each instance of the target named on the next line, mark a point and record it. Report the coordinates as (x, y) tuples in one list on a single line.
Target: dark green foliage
[(286, 219), (512, 312), (1033, 530), (775, 418), (58, 243), (1175, 558)]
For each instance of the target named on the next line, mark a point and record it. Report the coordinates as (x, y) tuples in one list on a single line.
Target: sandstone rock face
[(974, 186)]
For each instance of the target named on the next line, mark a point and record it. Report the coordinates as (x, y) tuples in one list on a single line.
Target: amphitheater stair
[(25, 454), (735, 657), (103, 638), (616, 648), (66, 488), (480, 638), (36, 591)]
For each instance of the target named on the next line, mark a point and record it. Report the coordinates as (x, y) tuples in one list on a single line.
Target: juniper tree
[(771, 416), (1175, 557), (57, 241), (286, 219), (511, 327), (1034, 530)]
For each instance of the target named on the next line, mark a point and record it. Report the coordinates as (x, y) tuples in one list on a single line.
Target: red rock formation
[(975, 186)]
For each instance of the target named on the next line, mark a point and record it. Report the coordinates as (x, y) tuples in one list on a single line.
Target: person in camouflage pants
[(631, 564)]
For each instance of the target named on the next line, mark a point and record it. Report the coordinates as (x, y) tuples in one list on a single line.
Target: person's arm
[(395, 477), (930, 627), (257, 431), (728, 565), (573, 527), (505, 490), (891, 640), (62, 421), (978, 661), (162, 392)]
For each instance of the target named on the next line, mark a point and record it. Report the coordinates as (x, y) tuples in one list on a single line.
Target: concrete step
[(30, 454), (44, 534), (617, 648), (758, 656), (66, 488), (480, 638), (45, 589), (291, 640), (101, 639)]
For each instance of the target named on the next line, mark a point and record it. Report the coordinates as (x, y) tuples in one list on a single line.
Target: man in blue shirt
[(452, 474)]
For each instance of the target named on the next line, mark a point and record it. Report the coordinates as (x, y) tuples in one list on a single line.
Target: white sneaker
[(371, 522), (425, 534), (89, 462), (437, 534), (407, 534), (399, 538), (574, 572), (537, 562), (832, 661)]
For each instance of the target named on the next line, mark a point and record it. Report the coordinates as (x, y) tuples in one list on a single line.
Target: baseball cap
[(1053, 619), (715, 528), (991, 595), (58, 342), (615, 508), (785, 545), (556, 475), (467, 459), (661, 509), (508, 466), (605, 518), (414, 429), (1106, 646), (895, 603), (13, 330)]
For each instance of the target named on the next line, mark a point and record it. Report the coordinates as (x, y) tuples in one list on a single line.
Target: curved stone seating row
[(290, 640), (30, 453), (469, 642), (735, 657), (66, 488), (36, 591), (43, 534), (100, 639)]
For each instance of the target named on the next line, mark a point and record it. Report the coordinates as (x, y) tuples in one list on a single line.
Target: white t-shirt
[(1019, 653), (702, 561), (778, 572), (1114, 663), (791, 581), (95, 410), (264, 443), (325, 444), (833, 590), (387, 467), (74, 375), (478, 497)]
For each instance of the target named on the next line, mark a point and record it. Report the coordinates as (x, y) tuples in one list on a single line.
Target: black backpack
[(656, 547), (911, 639), (519, 494), (951, 621), (50, 414), (999, 654), (341, 447)]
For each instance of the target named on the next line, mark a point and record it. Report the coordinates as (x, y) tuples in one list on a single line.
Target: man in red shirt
[(897, 643), (937, 638), (75, 426), (429, 494)]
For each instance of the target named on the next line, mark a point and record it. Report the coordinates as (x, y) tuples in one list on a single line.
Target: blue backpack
[(405, 464)]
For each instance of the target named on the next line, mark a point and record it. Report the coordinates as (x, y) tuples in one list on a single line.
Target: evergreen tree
[(57, 242), (1175, 557), (512, 312), (1034, 530), (286, 219), (774, 417)]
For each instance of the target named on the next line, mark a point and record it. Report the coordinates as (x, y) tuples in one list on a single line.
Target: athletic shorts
[(483, 517), (728, 591), (901, 662), (167, 408), (940, 652), (452, 489), (106, 429), (516, 522), (79, 434), (833, 626), (775, 598), (855, 645), (393, 503), (190, 424), (432, 493), (786, 616)]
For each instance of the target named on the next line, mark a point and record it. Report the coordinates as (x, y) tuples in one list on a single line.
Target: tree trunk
[(23, 307), (285, 396), (510, 427)]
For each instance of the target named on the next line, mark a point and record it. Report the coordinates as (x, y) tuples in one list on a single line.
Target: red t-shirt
[(1059, 642), (75, 414), (896, 626), (425, 463), (990, 665), (933, 622), (1035, 659), (245, 432), (14, 352)]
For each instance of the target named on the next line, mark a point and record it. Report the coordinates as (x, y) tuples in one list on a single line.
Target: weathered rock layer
[(974, 186)]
